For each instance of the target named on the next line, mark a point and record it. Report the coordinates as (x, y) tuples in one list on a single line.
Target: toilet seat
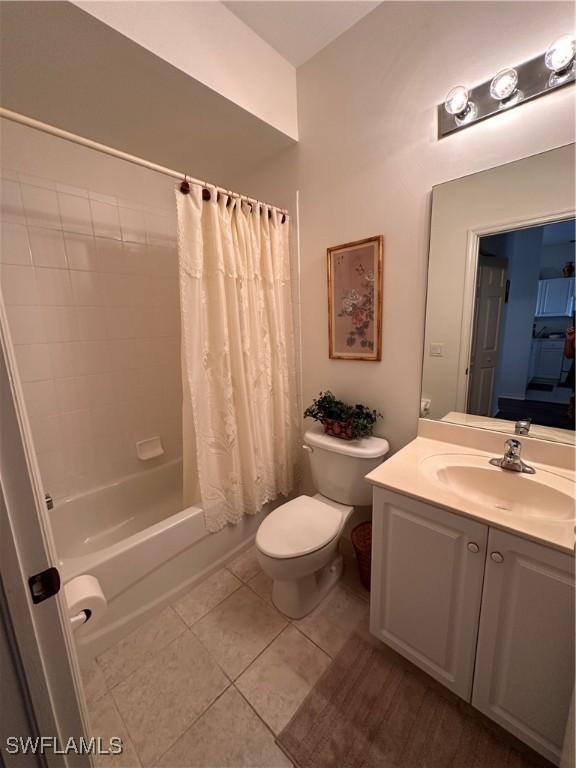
[(299, 527)]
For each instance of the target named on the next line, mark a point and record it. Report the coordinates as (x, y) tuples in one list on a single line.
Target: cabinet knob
[(497, 557), (473, 547)]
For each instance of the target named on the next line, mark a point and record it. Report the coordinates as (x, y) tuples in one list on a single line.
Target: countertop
[(401, 474)]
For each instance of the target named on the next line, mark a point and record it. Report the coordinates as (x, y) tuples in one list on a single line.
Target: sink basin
[(544, 495)]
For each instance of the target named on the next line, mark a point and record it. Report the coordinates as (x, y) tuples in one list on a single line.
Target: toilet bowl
[(297, 544)]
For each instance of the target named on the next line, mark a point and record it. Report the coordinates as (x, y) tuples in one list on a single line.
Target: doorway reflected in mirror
[(521, 365)]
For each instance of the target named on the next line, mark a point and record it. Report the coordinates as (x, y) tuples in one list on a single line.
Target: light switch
[(436, 350)]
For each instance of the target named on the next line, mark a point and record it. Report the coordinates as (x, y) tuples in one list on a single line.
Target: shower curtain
[(240, 415)]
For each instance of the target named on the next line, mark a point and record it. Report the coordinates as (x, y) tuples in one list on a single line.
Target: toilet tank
[(340, 466)]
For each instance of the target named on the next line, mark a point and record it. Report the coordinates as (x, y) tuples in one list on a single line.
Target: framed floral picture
[(355, 300)]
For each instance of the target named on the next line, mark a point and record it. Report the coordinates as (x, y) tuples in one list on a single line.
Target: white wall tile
[(61, 324), (40, 398), (14, 244), (18, 285), (34, 362), (54, 287), (133, 225), (92, 322), (86, 288), (96, 325), (47, 247), (75, 214), (81, 252), (41, 207), (11, 208), (26, 324), (105, 220)]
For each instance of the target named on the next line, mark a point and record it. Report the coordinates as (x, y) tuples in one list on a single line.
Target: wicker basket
[(361, 537), (341, 429)]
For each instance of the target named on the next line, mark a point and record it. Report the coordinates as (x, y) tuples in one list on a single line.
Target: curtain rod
[(16, 117)]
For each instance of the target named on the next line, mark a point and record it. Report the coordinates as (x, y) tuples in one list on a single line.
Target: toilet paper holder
[(81, 617)]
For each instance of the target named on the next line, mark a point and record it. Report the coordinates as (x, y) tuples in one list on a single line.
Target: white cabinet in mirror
[(501, 299)]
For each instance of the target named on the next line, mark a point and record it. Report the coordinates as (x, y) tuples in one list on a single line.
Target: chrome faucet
[(522, 426), (511, 459)]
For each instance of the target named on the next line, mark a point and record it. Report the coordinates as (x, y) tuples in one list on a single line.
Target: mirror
[(499, 341)]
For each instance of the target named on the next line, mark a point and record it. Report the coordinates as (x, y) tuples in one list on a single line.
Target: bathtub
[(141, 545)]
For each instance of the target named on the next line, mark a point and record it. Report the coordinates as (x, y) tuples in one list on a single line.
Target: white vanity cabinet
[(487, 613), (427, 571), (524, 672)]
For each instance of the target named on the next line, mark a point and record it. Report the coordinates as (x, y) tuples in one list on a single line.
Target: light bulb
[(456, 102), (504, 84), (560, 54)]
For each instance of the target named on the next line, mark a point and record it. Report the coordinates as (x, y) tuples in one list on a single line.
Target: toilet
[(297, 544)]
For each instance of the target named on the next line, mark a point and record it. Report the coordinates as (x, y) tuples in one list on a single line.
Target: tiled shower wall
[(91, 290)]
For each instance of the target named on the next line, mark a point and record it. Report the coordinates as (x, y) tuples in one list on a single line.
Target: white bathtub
[(143, 548)]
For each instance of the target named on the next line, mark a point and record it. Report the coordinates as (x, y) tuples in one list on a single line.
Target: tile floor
[(213, 678)]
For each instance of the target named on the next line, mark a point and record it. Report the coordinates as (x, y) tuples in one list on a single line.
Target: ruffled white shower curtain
[(238, 361)]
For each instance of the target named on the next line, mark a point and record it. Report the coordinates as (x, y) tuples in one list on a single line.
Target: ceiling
[(301, 28), (109, 89)]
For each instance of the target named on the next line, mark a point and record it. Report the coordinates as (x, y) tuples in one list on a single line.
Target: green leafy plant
[(355, 421)]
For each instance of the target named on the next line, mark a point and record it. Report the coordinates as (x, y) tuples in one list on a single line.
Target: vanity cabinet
[(487, 613), (427, 571), (524, 671)]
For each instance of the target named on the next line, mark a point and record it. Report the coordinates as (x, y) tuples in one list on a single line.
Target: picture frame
[(355, 299)]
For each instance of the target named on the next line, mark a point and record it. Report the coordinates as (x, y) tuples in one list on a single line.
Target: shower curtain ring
[(185, 186)]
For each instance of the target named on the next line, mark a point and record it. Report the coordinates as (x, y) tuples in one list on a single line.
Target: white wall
[(208, 42), (89, 274), (368, 158)]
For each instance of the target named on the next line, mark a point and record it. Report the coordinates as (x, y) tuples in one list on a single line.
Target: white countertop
[(401, 474)]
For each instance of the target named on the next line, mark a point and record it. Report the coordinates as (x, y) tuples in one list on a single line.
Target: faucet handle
[(522, 426), (512, 447)]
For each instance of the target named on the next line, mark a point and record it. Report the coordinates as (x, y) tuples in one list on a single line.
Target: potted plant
[(348, 422)]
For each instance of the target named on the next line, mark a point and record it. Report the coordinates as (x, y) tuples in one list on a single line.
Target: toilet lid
[(298, 527)]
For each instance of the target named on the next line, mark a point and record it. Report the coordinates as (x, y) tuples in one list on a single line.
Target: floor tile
[(351, 580), (94, 682), (262, 585), (281, 677), (228, 735), (238, 629), (130, 653), (246, 565), (333, 621), (206, 596), (105, 722), (162, 699)]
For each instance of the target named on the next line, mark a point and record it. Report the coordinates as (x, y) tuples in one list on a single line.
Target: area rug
[(372, 709)]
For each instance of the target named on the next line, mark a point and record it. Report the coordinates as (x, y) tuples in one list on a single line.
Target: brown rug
[(373, 709)]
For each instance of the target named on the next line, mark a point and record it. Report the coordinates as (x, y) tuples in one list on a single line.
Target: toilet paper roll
[(84, 593)]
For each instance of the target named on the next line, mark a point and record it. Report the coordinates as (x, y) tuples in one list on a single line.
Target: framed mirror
[(499, 341)]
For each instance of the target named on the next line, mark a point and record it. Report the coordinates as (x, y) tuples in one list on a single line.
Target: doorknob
[(473, 547), (497, 557)]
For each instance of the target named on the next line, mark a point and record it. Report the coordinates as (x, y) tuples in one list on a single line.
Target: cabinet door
[(524, 672), (555, 297), (549, 359), (427, 570)]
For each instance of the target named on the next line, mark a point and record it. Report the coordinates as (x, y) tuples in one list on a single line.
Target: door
[(427, 570), (524, 672), (42, 657), (490, 294)]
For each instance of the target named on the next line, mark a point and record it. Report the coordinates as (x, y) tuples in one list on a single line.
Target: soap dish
[(150, 448)]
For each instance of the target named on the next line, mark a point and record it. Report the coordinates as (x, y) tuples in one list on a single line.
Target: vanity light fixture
[(510, 87), (458, 104), (504, 87)]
